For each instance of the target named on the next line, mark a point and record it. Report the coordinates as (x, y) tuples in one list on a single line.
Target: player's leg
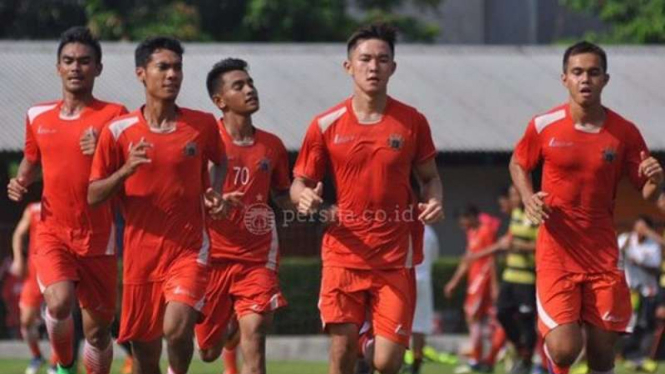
[(606, 312), (213, 331), (393, 302), (559, 303), (29, 317), (97, 293), (146, 356), (253, 330), (343, 307), (343, 347), (417, 345)]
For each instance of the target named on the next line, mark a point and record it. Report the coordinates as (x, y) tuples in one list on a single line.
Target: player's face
[(371, 64), (162, 76), (585, 79), (467, 223), (238, 93), (78, 68), (504, 204)]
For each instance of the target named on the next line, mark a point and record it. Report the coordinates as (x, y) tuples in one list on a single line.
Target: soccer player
[(481, 230), (31, 297), (155, 161), (372, 144), (586, 148), (76, 246), (244, 246)]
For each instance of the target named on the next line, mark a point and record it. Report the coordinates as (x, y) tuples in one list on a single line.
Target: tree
[(630, 21)]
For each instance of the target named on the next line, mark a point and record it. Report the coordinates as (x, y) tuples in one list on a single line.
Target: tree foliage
[(630, 21), (205, 20)]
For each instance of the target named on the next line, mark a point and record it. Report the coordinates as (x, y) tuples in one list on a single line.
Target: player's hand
[(431, 211), (449, 289), (17, 269), (88, 141), (650, 168), (504, 243), (138, 155), (310, 199), (536, 210), (16, 189)]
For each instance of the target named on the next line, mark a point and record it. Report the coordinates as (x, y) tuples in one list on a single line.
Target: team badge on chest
[(190, 149), (609, 154), (395, 141)]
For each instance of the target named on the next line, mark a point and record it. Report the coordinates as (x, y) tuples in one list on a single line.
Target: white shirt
[(644, 254), (430, 253)]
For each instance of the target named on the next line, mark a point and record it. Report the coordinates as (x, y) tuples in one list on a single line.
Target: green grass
[(12, 366)]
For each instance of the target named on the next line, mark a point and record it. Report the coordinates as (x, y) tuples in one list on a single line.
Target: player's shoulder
[(110, 107), (403, 108), (331, 115), (41, 109), (269, 138), (622, 122), (123, 122), (198, 118), (551, 117)]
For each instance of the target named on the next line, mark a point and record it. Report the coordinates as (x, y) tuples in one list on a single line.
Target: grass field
[(8, 366)]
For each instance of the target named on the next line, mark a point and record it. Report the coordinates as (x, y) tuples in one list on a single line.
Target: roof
[(477, 98)]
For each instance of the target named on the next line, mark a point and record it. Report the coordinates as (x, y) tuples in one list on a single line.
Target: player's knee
[(342, 349), (210, 355), (564, 353), (388, 364), (60, 308), (98, 337)]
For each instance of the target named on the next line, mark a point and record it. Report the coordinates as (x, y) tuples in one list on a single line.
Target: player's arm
[(460, 272), (522, 245), (18, 186), (500, 245), (650, 168), (534, 204), (18, 239), (431, 195), (103, 189)]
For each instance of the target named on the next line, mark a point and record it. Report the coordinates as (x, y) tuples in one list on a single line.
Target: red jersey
[(162, 201), (371, 165), (249, 233), (478, 239), (581, 171), (53, 141), (35, 210)]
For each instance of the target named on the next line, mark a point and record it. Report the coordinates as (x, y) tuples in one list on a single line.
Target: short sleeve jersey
[(35, 211), (53, 141), (162, 201), (478, 239), (371, 165), (249, 233), (581, 171)]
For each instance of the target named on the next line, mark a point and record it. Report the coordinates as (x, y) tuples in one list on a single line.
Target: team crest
[(609, 154), (264, 164), (395, 141), (190, 149)]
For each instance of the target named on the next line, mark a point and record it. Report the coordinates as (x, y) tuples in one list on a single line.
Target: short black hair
[(149, 46), (585, 47), (381, 31), (220, 68), (469, 211), (82, 35)]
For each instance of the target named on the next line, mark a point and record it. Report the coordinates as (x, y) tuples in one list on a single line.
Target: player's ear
[(219, 101), (564, 78), (347, 66), (100, 67), (394, 68), (607, 78), (140, 74)]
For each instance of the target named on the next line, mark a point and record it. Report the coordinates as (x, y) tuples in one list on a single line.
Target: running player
[(76, 246), (586, 149), (31, 297), (372, 143), (244, 245), (154, 160)]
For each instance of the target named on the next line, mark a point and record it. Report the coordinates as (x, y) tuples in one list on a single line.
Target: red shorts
[(389, 296), (478, 301), (240, 287), (31, 295), (95, 276), (601, 299), (144, 305)]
